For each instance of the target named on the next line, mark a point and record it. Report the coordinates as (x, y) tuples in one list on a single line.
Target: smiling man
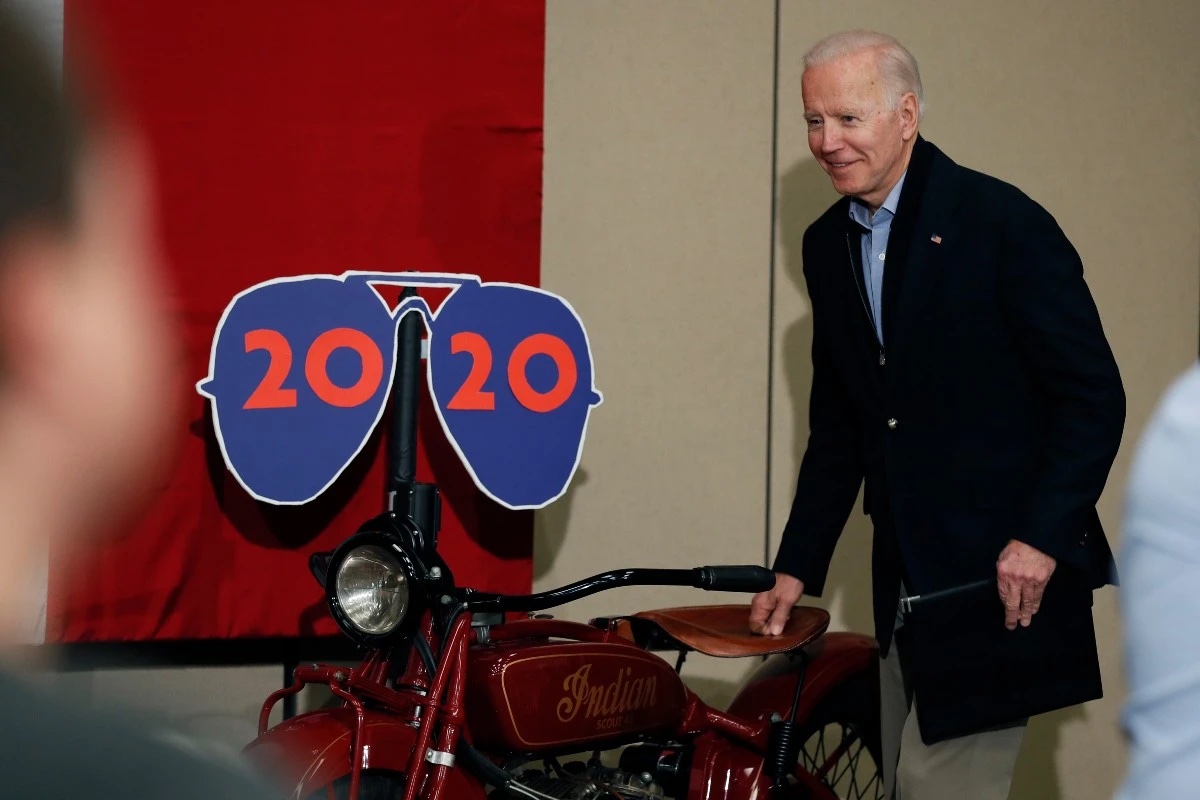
[(961, 370)]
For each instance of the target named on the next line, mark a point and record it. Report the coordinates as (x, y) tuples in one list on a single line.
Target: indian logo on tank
[(594, 700), (572, 692)]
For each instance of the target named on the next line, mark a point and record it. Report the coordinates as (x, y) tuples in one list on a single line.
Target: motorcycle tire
[(374, 785), (850, 710)]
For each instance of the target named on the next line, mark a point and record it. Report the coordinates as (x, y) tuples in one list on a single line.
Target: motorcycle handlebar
[(719, 579), (746, 578)]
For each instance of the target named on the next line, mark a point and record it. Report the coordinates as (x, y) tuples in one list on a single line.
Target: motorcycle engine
[(585, 782)]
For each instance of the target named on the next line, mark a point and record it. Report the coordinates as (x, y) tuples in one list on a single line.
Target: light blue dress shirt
[(1160, 600), (874, 248)]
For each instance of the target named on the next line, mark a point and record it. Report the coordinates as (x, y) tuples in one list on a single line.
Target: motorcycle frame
[(436, 703)]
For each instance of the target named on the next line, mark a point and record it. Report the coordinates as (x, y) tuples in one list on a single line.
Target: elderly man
[(960, 368)]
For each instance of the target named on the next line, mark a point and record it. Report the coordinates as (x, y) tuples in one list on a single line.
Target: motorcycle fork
[(370, 680), (450, 679), (363, 678)]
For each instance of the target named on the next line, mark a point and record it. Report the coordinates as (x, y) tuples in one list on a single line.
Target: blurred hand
[(1022, 572), (770, 610)]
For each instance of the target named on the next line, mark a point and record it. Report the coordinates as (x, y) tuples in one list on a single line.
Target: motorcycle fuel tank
[(559, 694)]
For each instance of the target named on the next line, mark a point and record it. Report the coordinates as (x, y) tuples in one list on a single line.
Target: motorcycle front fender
[(833, 659), (307, 753)]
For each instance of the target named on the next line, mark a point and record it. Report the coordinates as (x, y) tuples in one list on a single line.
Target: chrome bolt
[(435, 572)]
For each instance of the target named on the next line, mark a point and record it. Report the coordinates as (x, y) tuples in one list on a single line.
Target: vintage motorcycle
[(462, 690), (464, 694)]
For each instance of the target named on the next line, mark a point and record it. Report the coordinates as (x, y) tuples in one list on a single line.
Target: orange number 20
[(471, 397), (270, 392)]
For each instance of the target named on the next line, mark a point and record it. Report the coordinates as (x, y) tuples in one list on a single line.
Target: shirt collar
[(862, 215)]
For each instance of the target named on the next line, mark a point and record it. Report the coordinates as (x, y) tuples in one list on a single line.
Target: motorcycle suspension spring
[(783, 748)]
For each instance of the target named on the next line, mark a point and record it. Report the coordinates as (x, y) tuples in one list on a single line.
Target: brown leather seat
[(723, 631)]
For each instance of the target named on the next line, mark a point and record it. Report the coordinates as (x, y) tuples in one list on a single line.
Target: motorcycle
[(465, 694)]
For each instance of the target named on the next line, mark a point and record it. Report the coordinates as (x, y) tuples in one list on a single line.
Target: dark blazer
[(992, 411)]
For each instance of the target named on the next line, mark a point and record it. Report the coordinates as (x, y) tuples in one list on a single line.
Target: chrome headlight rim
[(394, 547)]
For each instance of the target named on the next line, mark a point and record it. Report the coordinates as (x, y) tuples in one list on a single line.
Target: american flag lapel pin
[(935, 239)]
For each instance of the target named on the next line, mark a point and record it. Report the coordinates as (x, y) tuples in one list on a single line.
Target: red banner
[(295, 138)]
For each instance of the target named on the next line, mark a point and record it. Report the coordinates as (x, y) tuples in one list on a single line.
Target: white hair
[(897, 66)]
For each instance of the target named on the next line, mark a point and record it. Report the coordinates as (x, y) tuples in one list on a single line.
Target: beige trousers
[(976, 767)]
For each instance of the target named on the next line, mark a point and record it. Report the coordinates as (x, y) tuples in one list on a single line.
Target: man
[(959, 366), (85, 400), (1160, 561)]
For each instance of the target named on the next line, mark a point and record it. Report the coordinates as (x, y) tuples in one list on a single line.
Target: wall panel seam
[(771, 287)]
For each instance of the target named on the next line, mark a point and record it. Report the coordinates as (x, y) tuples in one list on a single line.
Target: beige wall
[(658, 228)]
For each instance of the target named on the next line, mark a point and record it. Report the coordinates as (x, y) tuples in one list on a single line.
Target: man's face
[(860, 143)]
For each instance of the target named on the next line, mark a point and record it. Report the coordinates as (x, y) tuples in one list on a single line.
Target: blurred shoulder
[(1161, 494), (53, 746), (1178, 412)]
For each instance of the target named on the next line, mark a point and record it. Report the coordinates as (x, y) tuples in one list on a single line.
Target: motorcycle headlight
[(373, 582), (372, 589)]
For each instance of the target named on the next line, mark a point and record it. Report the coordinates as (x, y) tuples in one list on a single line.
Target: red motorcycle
[(464, 694)]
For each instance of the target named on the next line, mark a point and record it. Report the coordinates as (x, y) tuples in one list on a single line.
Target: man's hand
[(1022, 572), (769, 611)]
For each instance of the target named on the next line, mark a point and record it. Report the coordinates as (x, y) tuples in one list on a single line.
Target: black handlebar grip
[(746, 578)]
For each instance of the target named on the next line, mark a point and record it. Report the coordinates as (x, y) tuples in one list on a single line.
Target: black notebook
[(970, 674)]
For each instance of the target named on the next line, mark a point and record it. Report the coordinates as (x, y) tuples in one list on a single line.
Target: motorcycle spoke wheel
[(839, 757), (840, 740)]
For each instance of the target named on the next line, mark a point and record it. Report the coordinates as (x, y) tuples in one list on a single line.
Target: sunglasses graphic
[(300, 371)]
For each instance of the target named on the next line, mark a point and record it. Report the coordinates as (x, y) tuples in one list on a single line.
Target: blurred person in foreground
[(1160, 567), (85, 405), (960, 368)]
